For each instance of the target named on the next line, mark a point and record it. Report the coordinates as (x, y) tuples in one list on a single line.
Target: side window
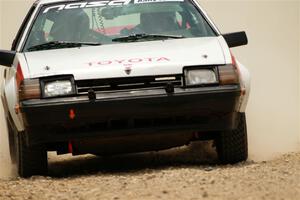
[(183, 21), (22, 28), (179, 19), (113, 25), (48, 25), (47, 28)]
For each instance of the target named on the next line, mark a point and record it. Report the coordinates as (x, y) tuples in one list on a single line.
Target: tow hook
[(91, 95), (169, 88)]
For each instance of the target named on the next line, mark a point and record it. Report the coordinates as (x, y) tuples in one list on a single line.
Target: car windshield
[(109, 22)]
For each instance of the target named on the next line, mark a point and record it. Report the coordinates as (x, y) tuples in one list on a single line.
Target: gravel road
[(185, 173)]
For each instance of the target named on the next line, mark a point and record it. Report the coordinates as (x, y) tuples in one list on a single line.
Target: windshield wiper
[(61, 44), (144, 36)]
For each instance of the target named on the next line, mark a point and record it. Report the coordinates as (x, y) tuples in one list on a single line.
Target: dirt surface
[(186, 173)]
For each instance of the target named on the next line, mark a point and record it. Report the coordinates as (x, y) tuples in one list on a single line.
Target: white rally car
[(122, 76)]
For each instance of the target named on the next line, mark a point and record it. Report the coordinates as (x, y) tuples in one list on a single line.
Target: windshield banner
[(92, 4)]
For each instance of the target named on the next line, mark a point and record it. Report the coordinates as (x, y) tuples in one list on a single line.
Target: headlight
[(200, 77), (57, 88)]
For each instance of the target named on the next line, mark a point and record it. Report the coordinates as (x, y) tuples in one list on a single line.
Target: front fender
[(11, 101), (10, 97)]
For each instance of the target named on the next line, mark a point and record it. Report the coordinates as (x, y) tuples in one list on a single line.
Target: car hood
[(126, 59)]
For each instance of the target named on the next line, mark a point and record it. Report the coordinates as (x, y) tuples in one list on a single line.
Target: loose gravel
[(186, 173)]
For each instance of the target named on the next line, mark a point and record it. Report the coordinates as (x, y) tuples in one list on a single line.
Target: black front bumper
[(132, 112)]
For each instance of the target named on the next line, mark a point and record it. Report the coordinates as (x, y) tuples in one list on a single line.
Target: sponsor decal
[(155, 1), (90, 4), (93, 4), (128, 62)]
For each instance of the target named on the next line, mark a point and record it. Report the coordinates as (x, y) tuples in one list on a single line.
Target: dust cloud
[(273, 108), (272, 141)]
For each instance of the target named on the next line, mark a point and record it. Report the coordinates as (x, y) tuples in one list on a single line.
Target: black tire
[(232, 146), (32, 160)]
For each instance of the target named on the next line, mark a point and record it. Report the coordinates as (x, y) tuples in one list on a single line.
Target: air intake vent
[(133, 83)]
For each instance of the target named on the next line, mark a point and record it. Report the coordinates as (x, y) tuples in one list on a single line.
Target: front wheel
[(232, 146), (32, 160)]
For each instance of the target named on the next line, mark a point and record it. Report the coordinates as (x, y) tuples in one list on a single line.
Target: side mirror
[(236, 39), (7, 58)]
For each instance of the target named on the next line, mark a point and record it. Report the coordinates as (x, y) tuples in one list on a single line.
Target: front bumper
[(131, 112)]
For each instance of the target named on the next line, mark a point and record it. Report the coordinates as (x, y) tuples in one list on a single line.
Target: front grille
[(132, 83)]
